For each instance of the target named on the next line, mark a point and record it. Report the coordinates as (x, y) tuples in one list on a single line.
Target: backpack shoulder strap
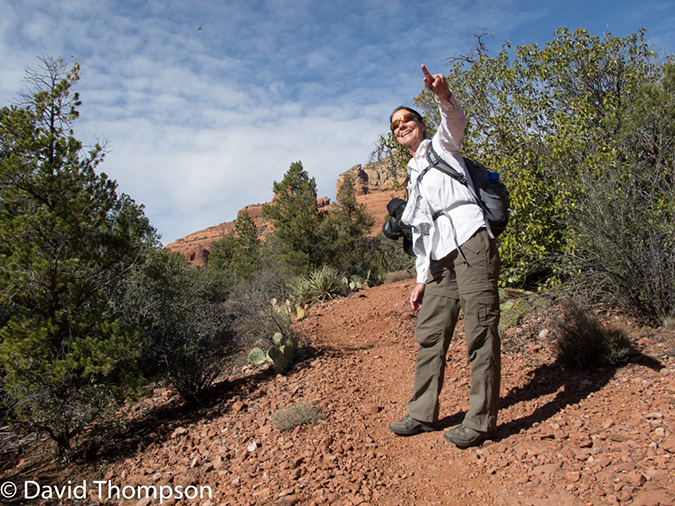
[(440, 164)]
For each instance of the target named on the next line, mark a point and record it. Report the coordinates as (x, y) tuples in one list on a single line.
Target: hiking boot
[(464, 437), (409, 427)]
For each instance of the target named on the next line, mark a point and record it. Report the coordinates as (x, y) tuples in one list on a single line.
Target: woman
[(457, 267)]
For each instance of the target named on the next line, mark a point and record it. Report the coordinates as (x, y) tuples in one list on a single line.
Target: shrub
[(393, 277), (380, 256), (301, 289), (319, 285), (583, 342), (255, 307), (301, 413), (669, 323), (188, 330)]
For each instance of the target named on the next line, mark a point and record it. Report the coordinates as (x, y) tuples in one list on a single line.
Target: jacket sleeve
[(451, 129), (447, 143), (422, 268)]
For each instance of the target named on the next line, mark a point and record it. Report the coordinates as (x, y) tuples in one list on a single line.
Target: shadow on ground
[(153, 426), (572, 387)]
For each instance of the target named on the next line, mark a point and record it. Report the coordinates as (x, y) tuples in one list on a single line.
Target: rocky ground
[(565, 438)]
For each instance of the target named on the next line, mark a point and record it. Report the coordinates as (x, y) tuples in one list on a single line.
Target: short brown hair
[(405, 108)]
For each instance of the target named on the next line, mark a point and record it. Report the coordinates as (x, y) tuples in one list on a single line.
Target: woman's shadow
[(571, 386)]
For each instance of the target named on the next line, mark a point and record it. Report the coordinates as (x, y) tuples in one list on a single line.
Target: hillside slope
[(565, 438)]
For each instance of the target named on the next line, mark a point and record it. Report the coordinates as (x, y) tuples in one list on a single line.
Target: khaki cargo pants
[(471, 285)]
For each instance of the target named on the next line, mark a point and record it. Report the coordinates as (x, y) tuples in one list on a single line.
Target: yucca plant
[(319, 285)]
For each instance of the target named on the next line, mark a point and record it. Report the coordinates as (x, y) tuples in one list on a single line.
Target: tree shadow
[(156, 424), (571, 385)]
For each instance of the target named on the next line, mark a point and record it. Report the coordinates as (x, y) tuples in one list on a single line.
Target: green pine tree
[(67, 239), (346, 224), (238, 256), (296, 240)]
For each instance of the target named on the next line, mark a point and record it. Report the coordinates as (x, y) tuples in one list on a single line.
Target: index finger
[(426, 72)]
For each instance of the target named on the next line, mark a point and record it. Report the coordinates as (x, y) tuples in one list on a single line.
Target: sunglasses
[(405, 118)]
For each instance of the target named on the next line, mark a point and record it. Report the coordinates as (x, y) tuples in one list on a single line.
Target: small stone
[(573, 476), (371, 409), (668, 444), (179, 432), (653, 498), (636, 479), (546, 468)]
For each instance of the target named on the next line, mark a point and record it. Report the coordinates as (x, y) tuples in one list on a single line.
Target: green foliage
[(319, 285), (361, 256), (239, 256), (67, 240), (343, 229), (300, 413), (624, 235), (222, 253), (538, 116), (583, 342), (188, 329), (296, 240)]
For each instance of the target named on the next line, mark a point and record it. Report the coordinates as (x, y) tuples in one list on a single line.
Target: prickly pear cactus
[(257, 356), (281, 354)]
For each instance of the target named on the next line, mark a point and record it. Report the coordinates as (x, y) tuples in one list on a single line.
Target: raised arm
[(453, 123)]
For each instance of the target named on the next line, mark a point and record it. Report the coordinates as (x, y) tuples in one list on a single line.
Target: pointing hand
[(437, 84)]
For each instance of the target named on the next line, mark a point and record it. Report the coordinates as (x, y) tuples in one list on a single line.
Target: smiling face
[(409, 130)]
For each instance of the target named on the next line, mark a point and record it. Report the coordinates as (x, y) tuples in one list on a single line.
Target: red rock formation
[(374, 186)]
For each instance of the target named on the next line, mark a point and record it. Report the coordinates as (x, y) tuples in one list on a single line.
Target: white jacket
[(438, 193)]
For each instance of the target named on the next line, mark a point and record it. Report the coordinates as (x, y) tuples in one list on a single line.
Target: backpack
[(490, 193)]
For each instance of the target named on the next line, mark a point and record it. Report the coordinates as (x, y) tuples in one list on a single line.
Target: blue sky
[(206, 103)]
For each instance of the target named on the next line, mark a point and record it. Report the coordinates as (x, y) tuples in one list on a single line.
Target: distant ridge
[(373, 185)]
